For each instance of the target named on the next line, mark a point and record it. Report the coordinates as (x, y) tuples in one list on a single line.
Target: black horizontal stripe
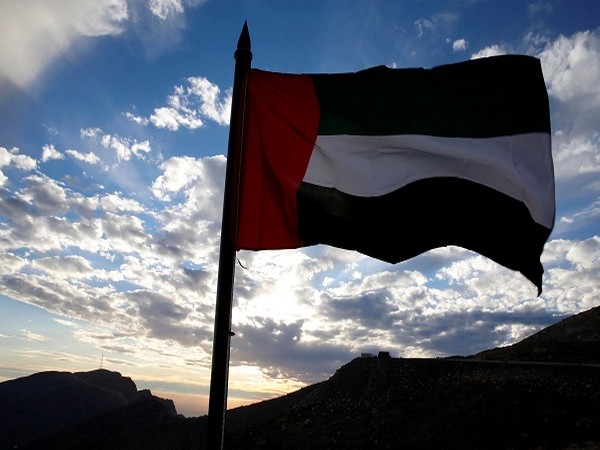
[(424, 215), (496, 96)]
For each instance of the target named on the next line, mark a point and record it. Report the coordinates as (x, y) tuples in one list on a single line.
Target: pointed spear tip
[(244, 40)]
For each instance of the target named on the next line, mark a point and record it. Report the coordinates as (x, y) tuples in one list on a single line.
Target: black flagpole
[(217, 403)]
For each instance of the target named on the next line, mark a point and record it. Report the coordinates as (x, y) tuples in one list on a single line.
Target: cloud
[(41, 31), (13, 158), (459, 45), (124, 148), (184, 172), (70, 265), (49, 152), (115, 203), (492, 50), (443, 22), (163, 8), (572, 70), (91, 132), (423, 25), (143, 121), (172, 119), (571, 67), (31, 336), (190, 105), (89, 157)]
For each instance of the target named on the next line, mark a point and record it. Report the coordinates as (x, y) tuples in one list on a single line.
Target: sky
[(114, 122)]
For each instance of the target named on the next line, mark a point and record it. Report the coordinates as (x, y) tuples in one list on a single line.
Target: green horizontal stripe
[(496, 96)]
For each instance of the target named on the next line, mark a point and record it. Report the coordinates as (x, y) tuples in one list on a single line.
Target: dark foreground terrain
[(498, 399)]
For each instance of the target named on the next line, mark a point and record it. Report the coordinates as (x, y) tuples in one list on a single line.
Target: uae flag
[(395, 162)]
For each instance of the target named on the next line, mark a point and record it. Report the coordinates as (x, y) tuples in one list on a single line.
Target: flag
[(395, 162)]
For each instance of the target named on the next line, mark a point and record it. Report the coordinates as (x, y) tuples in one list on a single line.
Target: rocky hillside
[(508, 402)]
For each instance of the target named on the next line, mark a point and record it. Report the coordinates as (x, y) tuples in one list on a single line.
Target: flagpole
[(217, 403)]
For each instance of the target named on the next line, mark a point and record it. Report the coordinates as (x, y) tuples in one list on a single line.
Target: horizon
[(113, 139)]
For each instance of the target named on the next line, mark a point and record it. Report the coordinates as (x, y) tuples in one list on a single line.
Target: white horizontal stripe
[(519, 166)]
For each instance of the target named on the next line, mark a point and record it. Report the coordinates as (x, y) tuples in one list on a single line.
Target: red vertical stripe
[(280, 130)]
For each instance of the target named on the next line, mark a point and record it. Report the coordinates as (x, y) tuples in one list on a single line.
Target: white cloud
[(89, 158), (164, 8), (5, 157), (172, 119), (572, 69), (188, 105), (12, 157), (90, 132), (185, 172), (115, 203), (125, 148), (49, 152), (40, 31), (459, 45), (210, 103), (137, 119), (31, 336), (492, 50), (422, 25)]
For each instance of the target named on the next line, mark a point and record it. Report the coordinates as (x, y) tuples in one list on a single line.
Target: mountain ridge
[(497, 399)]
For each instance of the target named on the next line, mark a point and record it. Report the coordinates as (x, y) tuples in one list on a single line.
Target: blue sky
[(113, 129)]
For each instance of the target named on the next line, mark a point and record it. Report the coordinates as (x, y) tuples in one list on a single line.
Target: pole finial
[(244, 40)]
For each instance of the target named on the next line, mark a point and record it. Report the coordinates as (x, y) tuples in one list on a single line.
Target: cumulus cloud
[(190, 105), (459, 45), (571, 66), (49, 152), (572, 69), (13, 158)]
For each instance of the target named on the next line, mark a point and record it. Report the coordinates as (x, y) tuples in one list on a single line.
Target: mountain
[(575, 339), (503, 400), (45, 402)]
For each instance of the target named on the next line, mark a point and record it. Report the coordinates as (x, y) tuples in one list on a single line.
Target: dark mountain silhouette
[(575, 339), (42, 403), (542, 393)]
